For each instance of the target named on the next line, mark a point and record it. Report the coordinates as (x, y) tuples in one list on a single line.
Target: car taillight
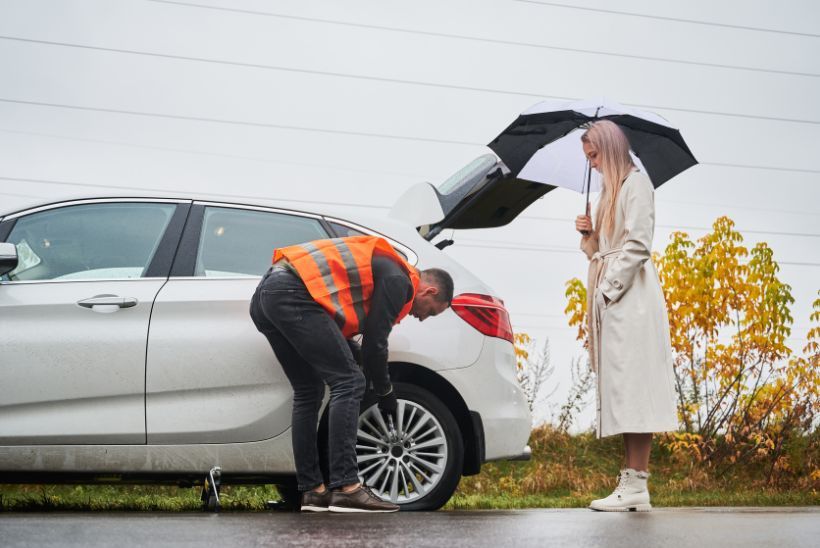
[(485, 313)]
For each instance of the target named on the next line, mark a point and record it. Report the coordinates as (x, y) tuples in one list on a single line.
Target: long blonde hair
[(615, 163)]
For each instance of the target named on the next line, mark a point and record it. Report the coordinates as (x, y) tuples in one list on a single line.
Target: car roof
[(369, 217), (238, 199)]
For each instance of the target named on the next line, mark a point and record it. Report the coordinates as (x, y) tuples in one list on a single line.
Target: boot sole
[(635, 508), (348, 510), (314, 509)]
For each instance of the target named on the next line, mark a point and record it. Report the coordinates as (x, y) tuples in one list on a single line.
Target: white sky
[(355, 101)]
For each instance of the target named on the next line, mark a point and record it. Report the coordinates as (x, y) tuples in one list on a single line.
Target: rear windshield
[(465, 181)]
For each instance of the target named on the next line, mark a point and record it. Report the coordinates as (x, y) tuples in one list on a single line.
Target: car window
[(88, 241), (343, 231), (465, 181), (240, 242)]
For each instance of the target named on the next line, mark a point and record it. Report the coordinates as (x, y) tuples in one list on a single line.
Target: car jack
[(210, 490)]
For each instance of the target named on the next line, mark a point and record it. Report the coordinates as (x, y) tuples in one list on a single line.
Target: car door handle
[(108, 300)]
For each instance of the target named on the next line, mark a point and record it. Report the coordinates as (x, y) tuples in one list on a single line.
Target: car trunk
[(480, 195)]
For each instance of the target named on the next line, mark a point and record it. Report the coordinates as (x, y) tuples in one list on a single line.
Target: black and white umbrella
[(544, 143)]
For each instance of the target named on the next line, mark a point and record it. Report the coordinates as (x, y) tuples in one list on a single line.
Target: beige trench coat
[(629, 337)]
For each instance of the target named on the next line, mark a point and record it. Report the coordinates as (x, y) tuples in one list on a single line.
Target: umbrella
[(543, 144)]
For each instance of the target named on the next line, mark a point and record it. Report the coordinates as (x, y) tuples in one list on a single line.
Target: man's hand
[(388, 404)]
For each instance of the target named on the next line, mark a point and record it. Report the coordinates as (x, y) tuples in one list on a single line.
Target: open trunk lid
[(480, 195)]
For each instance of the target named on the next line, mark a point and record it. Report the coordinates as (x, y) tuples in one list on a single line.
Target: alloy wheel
[(405, 460)]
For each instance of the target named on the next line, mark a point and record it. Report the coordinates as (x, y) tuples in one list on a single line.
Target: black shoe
[(360, 500), (315, 502)]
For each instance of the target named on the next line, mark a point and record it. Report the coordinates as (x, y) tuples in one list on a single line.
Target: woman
[(629, 330)]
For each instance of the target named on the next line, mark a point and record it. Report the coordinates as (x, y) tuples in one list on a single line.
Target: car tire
[(426, 453)]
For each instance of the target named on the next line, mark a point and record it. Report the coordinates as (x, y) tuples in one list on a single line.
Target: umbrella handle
[(588, 173)]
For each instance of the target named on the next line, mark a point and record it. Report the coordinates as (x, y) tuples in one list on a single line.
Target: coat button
[(617, 284)]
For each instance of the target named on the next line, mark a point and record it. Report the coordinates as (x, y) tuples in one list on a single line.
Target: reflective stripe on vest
[(338, 274)]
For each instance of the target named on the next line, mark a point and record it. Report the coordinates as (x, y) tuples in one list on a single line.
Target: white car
[(127, 352)]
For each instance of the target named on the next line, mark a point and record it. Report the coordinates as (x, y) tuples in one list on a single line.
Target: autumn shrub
[(745, 397)]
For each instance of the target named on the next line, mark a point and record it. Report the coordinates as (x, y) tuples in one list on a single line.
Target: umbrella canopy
[(544, 143)]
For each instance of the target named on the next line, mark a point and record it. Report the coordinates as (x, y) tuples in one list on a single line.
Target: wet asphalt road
[(701, 528)]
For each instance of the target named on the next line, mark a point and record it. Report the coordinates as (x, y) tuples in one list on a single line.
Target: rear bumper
[(525, 456), (490, 389)]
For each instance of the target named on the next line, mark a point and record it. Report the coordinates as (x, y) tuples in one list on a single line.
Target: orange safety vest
[(338, 274)]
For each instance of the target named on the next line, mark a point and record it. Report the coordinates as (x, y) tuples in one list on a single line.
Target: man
[(313, 299)]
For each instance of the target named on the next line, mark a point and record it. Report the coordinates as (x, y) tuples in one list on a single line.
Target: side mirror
[(8, 257)]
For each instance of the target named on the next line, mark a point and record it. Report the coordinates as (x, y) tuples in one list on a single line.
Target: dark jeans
[(312, 351)]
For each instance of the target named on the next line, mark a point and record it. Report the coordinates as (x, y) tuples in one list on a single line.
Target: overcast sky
[(355, 101)]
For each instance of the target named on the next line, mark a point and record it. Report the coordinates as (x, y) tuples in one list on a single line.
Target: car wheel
[(417, 463)]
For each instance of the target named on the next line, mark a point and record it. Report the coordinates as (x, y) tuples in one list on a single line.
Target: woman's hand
[(583, 224)]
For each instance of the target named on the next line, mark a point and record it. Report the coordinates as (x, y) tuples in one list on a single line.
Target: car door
[(211, 376), (74, 319)]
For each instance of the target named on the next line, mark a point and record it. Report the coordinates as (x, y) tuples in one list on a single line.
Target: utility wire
[(689, 227), (545, 249), (239, 122), (392, 80), (751, 208), (790, 169), (673, 19), (480, 39), (565, 316), (164, 192), (313, 129), (17, 195), (211, 153)]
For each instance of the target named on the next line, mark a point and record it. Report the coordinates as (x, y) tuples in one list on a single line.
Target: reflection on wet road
[(701, 528)]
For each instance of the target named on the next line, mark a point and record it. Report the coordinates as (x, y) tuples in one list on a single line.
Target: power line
[(541, 249), (479, 39), (565, 316), (540, 315), (545, 327), (167, 192), (281, 68), (17, 195), (392, 80), (792, 169), (305, 128), (744, 231), (674, 19), (751, 208), (792, 263), (506, 242), (239, 122), (211, 153), (546, 249), (686, 227)]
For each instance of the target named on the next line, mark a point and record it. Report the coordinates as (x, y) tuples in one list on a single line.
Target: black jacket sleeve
[(392, 289)]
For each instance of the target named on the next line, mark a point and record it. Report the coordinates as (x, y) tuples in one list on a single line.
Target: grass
[(565, 472), (143, 498), (569, 471)]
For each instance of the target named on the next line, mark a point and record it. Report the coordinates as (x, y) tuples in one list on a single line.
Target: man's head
[(434, 294)]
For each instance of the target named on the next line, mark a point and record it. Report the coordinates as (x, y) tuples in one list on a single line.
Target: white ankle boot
[(631, 494)]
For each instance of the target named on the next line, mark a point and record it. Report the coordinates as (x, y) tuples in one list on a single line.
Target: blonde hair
[(615, 164)]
